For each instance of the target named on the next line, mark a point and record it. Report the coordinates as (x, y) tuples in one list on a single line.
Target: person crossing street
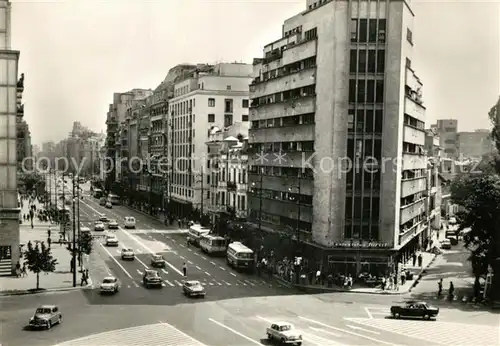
[(184, 269)]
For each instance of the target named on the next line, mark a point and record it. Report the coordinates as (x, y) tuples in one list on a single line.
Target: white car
[(284, 333), (110, 285), (129, 222), (446, 244), (128, 254), (112, 224), (111, 240), (98, 226)]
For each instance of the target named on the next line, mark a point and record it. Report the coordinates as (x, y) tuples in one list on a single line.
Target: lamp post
[(73, 247)]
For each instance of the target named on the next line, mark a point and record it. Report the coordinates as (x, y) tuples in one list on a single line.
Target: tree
[(39, 259), (85, 243), (478, 195)]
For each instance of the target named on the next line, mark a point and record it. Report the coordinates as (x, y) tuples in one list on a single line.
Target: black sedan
[(415, 309)]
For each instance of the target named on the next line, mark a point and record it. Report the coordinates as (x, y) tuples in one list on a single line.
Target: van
[(195, 233), (212, 244), (240, 257), (129, 222)]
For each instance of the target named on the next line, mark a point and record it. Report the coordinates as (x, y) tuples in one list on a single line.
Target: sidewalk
[(61, 279), (36, 222)]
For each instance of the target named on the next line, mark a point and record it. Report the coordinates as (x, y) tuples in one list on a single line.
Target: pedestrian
[(440, 287), (24, 272), (184, 269), (49, 241), (18, 269), (84, 279), (420, 260), (451, 290), (72, 264), (49, 232), (414, 258)]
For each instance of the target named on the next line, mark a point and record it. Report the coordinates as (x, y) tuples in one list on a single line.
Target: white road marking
[(235, 332), (227, 283), (203, 257), (178, 283), (218, 283), (197, 254), (208, 273), (204, 283), (242, 283), (118, 263), (173, 240), (363, 329), (212, 262), (326, 332), (250, 283), (163, 270), (190, 250), (182, 245), (222, 268), (190, 262), (135, 284), (211, 283), (168, 282), (368, 312), (163, 284), (197, 267), (182, 257), (233, 274), (128, 286), (139, 272)]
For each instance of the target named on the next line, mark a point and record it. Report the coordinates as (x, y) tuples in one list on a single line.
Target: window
[(244, 103), (369, 121), (354, 30), (363, 30), (348, 208), (353, 61), (381, 30), (380, 61), (244, 117), (370, 91), (372, 30), (228, 120), (211, 102), (379, 120), (350, 120), (228, 106), (211, 118), (362, 61), (361, 91), (372, 61), (408, 63), (228, 87), (311, 34), (379, 92), (409, 36), (352, 90)]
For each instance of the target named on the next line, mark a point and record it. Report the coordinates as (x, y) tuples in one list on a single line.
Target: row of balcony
[(279, 207), (298, 50), (299, 133), (296, 80), (303, 105)]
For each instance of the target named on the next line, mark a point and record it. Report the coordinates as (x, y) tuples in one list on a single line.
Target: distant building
[(474, 145), (447, 129)]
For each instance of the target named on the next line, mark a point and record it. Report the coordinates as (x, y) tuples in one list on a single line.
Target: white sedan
[(111, 240), (128, 254), (99, 226), (129, 222), (110, 285)]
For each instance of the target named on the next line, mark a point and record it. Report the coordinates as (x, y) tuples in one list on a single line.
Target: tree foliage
[(39, 259), (85, 243)]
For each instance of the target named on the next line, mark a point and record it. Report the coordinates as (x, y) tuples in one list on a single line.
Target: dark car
[(157, 261), (45, 317), (151, 278), (104, 219), (415, 309)]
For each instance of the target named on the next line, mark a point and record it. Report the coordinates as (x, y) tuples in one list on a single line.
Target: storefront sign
[(366, 245)]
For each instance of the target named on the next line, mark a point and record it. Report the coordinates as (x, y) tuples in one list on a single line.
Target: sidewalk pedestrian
[(451, 290), (420, 260), (440, 287), (24, 272), (414, 258), (49, 241), (18, 269), (184, 269), (84, 280)]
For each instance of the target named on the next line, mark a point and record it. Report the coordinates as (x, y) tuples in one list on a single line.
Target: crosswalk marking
[(163, 270), (227, 283), (204, 283), (135, 284), (218, 283), (198, 267), (242, 283), (170, 284), (153, 334), (441, 333), (163, 284), (250, 283), (211, 283), (233, 274), (139, 272), (208, 273), (178, 283)]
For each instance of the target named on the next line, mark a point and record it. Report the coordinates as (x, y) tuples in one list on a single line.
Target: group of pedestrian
[(21, 271), (451, 289)]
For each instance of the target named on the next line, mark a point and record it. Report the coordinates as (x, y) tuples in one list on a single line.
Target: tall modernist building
[(337, 128), (10, 91)]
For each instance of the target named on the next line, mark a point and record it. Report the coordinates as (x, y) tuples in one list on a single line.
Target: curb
[(43, 290), (421, 272)]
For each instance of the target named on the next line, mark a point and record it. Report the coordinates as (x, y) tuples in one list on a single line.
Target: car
[(109, 285), (414, 309), (98, 226), (104, 219), (102, 201), (284, 333), (108, 205), (452, 220), (193, 288), (45, 317), (111, 240), (129, 222), (151, 278), (128, 254), (157, 261), (446, 244), (112, 224)]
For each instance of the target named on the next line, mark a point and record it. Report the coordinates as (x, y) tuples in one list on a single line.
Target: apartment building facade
[(334, 105), (474, 145), (210, 96), (24, 150), (447, 130)]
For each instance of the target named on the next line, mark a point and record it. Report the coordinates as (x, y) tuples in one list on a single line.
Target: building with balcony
[(474, 145), (227, 173), (10, 109), (335, 105), (202, 98), (447, 129), (24, 153)]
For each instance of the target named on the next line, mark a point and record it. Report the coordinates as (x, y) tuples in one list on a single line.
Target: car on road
[(108, 205), (111, 240), (45, 317), (102, 201), (414, 309), (109, 285), (157, 261), (113, 224), (128, 254), (104, 219), (151, 278), (98, 226), (284, 333), (193, 288), (446, 244), (129, 222)]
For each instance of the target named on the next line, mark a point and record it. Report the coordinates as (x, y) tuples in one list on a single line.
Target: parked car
[(102, 201), (45, 317), (110, 285), (157, 261), (129, 222), (193, 288), (108, 205), (111, 240), (112, 224), (104, 219), (128, 254), (446, 244), (151, 278), (414, 309), (284, 333), (98, 226)]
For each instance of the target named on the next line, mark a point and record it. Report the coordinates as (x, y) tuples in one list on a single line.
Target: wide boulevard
[(237, 309)]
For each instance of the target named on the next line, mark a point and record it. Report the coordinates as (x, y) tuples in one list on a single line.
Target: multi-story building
[(10, 109), (24, 152), (447, 129), (204, 97), (227, 173), (434, 180), (474, 145), (334, 105)]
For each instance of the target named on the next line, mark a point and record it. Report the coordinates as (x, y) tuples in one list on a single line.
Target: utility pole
[(202, 192), (78, 225), (55, 187), (64, 197), (73, 248)]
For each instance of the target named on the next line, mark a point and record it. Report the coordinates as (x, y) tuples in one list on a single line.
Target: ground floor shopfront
[(10, 253)]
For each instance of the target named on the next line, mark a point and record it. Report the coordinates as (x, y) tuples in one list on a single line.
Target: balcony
[(281, 208), (411, 211), (294, 80), (413, 135), (283, 183), (414, 109), (411, 233), (231, 186), (412, 186), (413, 161), (412, 80), (283, 159), (272, 56), (299, 51), (282, 134), (303, 105)]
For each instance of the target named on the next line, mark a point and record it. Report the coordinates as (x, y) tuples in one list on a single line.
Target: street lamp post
[(73, 247)]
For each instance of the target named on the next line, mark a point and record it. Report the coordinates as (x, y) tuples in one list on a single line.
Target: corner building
[(338, 87)]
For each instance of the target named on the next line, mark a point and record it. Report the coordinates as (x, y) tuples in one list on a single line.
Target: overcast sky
[(76, 53)]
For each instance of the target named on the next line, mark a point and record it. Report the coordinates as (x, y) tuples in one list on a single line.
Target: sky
[(76, 53)]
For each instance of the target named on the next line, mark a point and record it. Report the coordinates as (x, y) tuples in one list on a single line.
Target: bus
[(239, 256), (213, 244), (113, 199), (196, 231), (98, 193)]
